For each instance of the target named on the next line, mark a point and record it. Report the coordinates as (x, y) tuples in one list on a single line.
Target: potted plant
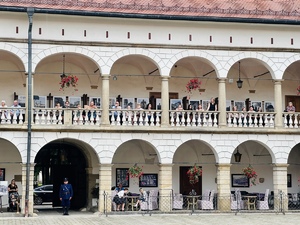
[(193, 174), (250, 173), (68, 81), (193, 84), (135, 171)]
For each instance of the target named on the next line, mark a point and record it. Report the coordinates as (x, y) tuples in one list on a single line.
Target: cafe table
[(192, 200), (251, 201), (131, 201)]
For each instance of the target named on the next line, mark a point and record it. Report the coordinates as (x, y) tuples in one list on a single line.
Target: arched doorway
[(188, 154), (60, 159)]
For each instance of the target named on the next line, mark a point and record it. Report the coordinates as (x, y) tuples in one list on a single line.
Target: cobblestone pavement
[(86, 218)]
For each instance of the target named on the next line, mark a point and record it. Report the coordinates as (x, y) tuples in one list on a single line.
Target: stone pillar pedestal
[(165, 101), (222, 103), (105, 176), (30, 197), (280, 184), (223, 184), (165, 187), (105, 100), (278, 103)]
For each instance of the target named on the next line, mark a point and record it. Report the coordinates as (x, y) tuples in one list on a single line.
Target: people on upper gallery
[(3, 105), (212, 106), (290, 107), (15, 105)]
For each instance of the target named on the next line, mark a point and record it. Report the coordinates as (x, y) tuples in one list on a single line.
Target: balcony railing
[(250, 119), (12, 115), (144, 118)]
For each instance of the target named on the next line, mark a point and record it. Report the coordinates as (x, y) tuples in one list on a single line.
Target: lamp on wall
[(115, 77), (237, 156), (239, 82)]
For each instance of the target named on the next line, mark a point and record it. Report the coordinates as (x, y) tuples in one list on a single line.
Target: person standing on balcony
[(117, 106), (15, 105), (3, 105), (290, 108), (65, 196), (212, 106)]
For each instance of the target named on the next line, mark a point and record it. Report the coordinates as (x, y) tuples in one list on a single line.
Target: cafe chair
[(113, 204), (236, 200), (265, 203), (207, 202), (150, 202), (177, 201)]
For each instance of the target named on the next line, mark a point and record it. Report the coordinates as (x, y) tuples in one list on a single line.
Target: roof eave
[(151, 16)]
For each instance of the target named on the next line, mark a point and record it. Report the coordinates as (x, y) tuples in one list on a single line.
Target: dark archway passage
[(61, 159)]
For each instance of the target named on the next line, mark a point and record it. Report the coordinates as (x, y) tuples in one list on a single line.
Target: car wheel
[(38, 200)]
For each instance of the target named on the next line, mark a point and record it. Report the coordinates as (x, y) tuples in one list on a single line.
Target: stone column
[(222, 103), (280, 184), (278, 103), (165, 101), (165, 187), (105, 100), (105, 176), (91, 184), (30, 197), (223, 185)]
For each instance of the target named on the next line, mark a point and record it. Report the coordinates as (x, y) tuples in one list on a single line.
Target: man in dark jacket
[(65, 195)]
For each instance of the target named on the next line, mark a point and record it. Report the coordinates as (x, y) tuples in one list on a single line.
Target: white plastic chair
[(207, 204), (177, 201), (264, 204), (150, 202)]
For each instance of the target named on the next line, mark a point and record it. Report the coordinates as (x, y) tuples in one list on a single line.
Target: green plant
[(135, 171)]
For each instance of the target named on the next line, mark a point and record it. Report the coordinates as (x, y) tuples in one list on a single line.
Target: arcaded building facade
[(144, 53)]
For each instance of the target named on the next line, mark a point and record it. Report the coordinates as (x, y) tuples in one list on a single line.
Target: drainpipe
[(30, 12)]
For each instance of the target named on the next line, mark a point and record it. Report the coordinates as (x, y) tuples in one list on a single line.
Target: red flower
[(68, 81), (193, 84)]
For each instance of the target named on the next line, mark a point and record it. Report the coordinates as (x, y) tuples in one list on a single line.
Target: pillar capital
[(105, 76), (278, 81), (280, 165), (222, 80), (165, 77)]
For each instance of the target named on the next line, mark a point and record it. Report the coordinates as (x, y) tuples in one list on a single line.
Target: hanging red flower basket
[(193, 174), (193, 84), (68, 81), (250, 173), (135, 171)]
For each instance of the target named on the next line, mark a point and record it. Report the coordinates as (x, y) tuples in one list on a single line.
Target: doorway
[(58, 160), (185, 186)]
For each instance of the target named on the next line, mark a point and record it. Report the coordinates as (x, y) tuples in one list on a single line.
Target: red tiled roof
[(260, 9)]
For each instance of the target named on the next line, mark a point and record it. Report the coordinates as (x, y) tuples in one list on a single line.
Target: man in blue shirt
[(65, 195)]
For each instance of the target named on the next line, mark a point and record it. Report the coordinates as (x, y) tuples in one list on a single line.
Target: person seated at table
[(119, 199), (142, 197), (120, 187)]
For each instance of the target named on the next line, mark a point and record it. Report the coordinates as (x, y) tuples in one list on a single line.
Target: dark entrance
[(62, 159), (185, 186)]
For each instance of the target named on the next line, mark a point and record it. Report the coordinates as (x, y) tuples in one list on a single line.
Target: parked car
[(43, 194)]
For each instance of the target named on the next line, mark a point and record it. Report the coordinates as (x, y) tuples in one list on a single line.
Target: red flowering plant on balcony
[(298, 90), (193, 174), (193, 84), (68, 81), (135, 171), (250, 173)]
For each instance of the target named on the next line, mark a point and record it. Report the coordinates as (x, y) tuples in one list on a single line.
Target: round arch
[(149, 55), (260, 58), (289, 61), (91, 55), (16, 52), (70, 158), (203, 56)]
